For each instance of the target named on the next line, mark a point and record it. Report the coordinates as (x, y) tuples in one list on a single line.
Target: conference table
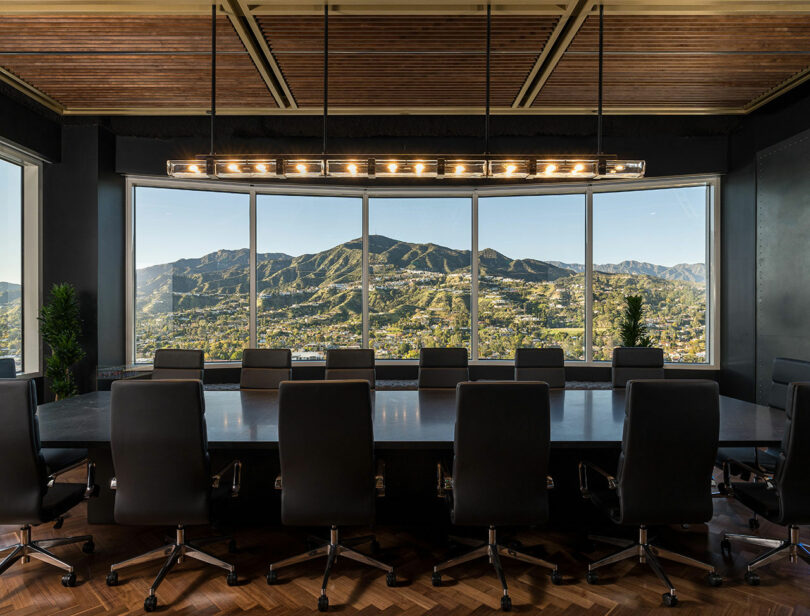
[(407, 426)]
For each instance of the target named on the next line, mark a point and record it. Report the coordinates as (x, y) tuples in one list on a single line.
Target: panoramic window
[(192, 284), (11, 330), (419, 279), (531, 274), (309, 270), (652, 243)]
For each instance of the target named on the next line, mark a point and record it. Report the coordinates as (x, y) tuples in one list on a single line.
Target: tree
[(631, 329), (60, 327)]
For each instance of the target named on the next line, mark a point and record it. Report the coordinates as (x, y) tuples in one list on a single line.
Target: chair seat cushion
[(758, 498), (60, 498), (58, 459), (608, 502)]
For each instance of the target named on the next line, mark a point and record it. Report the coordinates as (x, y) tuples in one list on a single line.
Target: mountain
[(9, 291), (690, 272)]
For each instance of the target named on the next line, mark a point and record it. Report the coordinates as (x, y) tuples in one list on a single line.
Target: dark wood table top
[(402, 420)]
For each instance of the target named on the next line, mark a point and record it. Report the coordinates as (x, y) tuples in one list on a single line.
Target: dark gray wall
[(29, 126)]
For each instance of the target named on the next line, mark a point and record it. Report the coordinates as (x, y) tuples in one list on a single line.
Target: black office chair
[(442, 368), (656, 484), (342, 364), (30, 497), (162, 471), (636, 363), (547, 365), (499, 468), (783, 498), (178, 364), (735, 460), (326, 450), (265, 368), (8, 369)]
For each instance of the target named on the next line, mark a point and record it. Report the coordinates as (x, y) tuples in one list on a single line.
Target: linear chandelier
[(518, 167)]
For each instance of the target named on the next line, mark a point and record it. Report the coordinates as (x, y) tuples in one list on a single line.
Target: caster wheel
[(753, 523), (592, 577), (436, 579), (670, 600), (556, 578), (751, 578), (323, 603), (150, 604), (506, 603), (272, 578), (59, 522), (233, 580), (714, 580), (89, 547), (391, 579), (112, 578), (232, 548), (725, 547), (69, 580)]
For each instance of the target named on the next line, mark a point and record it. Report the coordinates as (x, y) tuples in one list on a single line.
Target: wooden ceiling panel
[(406, 61), (665, 62)]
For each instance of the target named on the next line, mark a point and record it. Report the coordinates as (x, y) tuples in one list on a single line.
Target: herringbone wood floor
[(193, 588)]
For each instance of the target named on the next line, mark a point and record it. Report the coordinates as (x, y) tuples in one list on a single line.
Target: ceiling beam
[(30, 91), (553, 52), (252, 38)]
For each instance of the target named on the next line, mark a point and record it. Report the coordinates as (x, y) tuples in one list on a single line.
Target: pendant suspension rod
[(601, 71), (213, 72), (486, 113), (325, 71)]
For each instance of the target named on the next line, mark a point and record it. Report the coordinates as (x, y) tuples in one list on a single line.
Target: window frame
[(31, 244), (711, 181)]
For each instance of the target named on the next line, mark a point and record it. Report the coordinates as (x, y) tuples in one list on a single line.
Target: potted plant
[(632, 330), (60, 327)]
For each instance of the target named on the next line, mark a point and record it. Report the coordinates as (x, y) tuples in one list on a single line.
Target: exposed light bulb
[(194, 168), (419, 168), (460, 169), (261, 168), (619, 167), (352, 168), (578, 167), (301, 168), (392, 167), (551, 168), (510, 169), (233, 167)]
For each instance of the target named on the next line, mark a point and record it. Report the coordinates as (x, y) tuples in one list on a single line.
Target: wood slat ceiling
[(401, 61), (126, 62), (710, 61)]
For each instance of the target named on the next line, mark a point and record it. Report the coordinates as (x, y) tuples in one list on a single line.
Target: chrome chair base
[(176, 552), (791, 548), (26, 549), (331, 550), (650, 554), (493, 551)]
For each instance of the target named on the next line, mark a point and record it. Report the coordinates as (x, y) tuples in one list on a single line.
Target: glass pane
[(531, 276), (191, 272), (11, 262), (309, 273), (652, 243), (419, 260)]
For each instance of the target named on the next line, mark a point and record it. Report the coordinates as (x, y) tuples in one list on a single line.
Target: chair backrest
[(8, 369), (669, 447), (786, 371), (178, 364), (442, 368), (160, 452), (24, 474), (265, 368), (342, 364), (546, 365), (637, 363), (793, 468), (501, 453), (326, 450)]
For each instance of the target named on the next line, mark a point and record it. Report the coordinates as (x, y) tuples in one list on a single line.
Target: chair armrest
[(379, 479), (760, 474), (277, 484), (236, 484), (550, 485), (114, 484), (90, 483), (583, 478), (444, 481)]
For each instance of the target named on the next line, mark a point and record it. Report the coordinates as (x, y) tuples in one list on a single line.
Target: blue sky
[(664, 226), (10, 222)]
